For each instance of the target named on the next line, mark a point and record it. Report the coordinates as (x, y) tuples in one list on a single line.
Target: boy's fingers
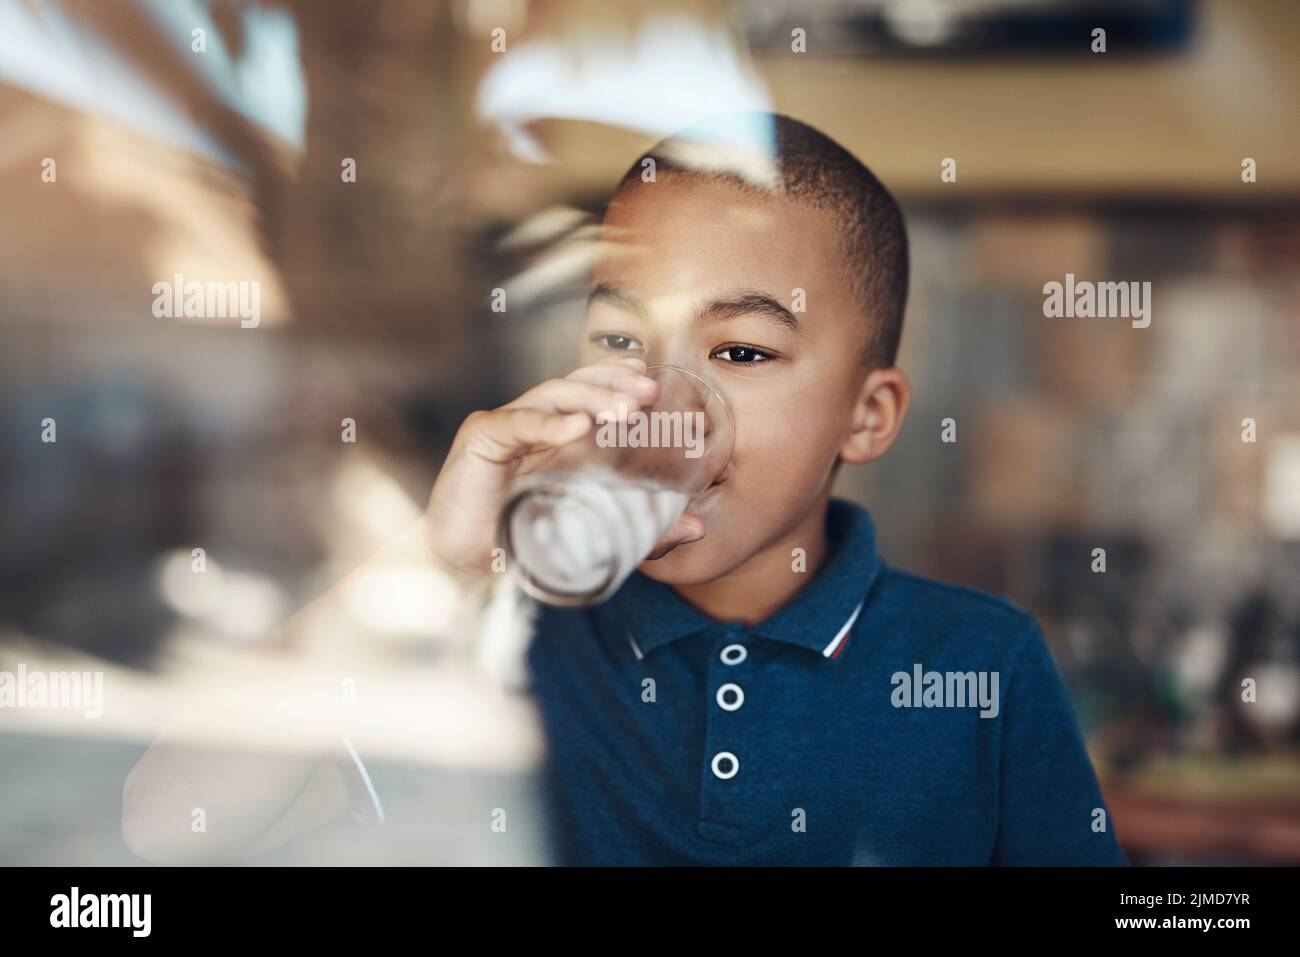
[(609, 364), (627, 375), (570, 395), (506, 433), (560, 410)]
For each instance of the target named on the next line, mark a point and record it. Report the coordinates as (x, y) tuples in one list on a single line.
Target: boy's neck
[(767, 582)]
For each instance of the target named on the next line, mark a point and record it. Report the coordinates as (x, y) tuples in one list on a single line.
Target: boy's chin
[(689, 564)]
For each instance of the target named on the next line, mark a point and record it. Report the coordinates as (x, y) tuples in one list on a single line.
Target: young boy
[(765, 689)]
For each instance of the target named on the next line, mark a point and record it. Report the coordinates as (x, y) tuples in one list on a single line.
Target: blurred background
[(379, 168)]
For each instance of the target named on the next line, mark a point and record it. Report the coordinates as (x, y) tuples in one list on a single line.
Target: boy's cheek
[(788, 452)]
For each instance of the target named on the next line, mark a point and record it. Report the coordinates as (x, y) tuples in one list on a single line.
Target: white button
[(737, 693), (720, 757), (734, 654)]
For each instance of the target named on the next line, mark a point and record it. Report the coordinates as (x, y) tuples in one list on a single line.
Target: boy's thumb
[(685, 530)]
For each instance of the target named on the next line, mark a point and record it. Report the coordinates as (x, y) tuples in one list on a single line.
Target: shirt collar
[(649, 614)]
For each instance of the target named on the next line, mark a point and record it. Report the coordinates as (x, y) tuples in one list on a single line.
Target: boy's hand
[(492, 449)]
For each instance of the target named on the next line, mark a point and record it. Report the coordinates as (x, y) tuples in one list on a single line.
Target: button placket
[(722, 794)]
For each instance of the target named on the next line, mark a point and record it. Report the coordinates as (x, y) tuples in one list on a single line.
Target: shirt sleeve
[(1050, 804)]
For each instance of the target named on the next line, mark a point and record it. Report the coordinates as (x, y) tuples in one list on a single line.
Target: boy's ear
[(877, 415)]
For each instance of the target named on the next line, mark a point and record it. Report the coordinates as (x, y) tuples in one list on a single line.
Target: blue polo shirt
[(879, 718)]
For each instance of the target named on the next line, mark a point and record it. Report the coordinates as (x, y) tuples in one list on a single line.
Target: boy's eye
[(615, 343), (742, 355)]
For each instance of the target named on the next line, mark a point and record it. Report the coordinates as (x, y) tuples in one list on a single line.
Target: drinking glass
[(577, 526)]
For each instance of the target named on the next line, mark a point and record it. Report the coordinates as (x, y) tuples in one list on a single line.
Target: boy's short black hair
[(779, 155)]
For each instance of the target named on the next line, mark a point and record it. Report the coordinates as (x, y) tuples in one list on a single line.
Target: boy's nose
[(682, 358)]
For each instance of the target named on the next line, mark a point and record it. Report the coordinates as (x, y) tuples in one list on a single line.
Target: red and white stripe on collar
[(838, 643), (841, 640)]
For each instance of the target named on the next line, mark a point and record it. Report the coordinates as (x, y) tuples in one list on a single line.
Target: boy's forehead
[(675, 201), (681, 232)]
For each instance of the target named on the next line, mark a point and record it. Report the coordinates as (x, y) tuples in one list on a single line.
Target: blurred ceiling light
[(481, 17), (921, 22), (265, 81), (251, 606), (46, 48), (1277, 696), (559, 266), (188, 592), (238, 604), (406, 600), (1201, 659), (371, 500), (1282, 487), (545, 226), (675, 71), (198, 231), (739, 143)]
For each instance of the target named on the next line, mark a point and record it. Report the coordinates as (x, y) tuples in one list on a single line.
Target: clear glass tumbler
[(578, 525)]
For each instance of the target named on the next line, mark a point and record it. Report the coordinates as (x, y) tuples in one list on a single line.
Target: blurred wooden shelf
[(1232, 811)]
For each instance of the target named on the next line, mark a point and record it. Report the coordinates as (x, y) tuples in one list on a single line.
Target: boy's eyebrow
[(749, 303), (743, 303), (617, 297)]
